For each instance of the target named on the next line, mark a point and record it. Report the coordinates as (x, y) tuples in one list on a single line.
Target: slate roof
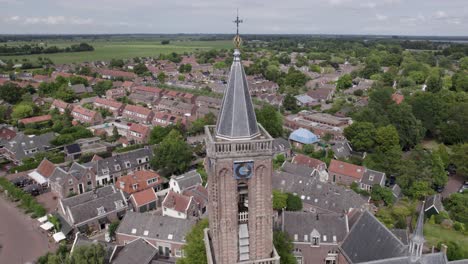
[(80, 88), (157, 226), (237, 118), (402, 234), (120, 159), (433, 201), (433, 258), (396, 191), (138, 251), (23, 142), (369, 240), (85, 206), (329, 197), (188, 179), (281, 144), (329, 226), (341, 149), (177, 202), (376, 176), (297, 169)]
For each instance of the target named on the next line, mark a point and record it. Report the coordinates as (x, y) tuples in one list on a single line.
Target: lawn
[(120, 49), (435, 234)]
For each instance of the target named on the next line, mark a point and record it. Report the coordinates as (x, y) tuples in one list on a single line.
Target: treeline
[(37, 49)]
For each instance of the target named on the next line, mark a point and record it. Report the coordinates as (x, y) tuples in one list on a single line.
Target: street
[(21, 239)]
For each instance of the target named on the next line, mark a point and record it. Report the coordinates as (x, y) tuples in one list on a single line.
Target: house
[(396, 191), (60, 105), (72, 151), (24, 146), (342, 150), (295, 169), (433, 205), (138, 113), (94, 210), (114, 74), (187, 180), (116, 108), (77, 179), (273, 99), (165, 119), (144, 201), (282, 146), (321, 94), (345, 173), (167, 234), (305, 100), (111, 168), (86, 116), (320, 124), (176, 107), (371, 178), (35, 119), (202, 111), (209, 102), (150, 92), (301, 137), (177, 205), (315, 237), (199, 195), (320, 167), (138, 181), (115, 93), (398, 98), (138, 133), (261, 87), (137, 251), (43, 172), (80, 89)]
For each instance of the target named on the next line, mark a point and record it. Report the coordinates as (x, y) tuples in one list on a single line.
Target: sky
[(376, 17)]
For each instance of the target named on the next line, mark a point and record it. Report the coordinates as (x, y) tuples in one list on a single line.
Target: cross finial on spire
[(237, 38), (238, 21)]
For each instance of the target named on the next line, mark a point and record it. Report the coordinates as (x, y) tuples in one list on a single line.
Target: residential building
[(167, 234), (138, 133), (433, 205), (301, 137), (165, 119), (179, 206), (176, 107), (185, 181), (35, 119), (24, 146), (138, 113), (86, 116), (60, 105), (282, 146), (80, 89), (208, 102), (77, 179), (115, 93), (371, 178), (144, 201), (116, 108), (137, 251), (319, 167), (113, 74), (138, 181), (304, 100), (43, 172), (345, 173), (321, 95), (94, 210)]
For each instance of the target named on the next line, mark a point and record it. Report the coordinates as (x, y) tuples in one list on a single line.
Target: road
[(21, 240), (453, 185)]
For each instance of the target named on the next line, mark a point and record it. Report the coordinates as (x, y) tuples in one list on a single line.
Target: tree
[(386, 138), (344, 82), (284, 247), (165, 42), (464, 63), (115, 63), (372, 67), (284, 59), (459, 159), (434, 83), (113, 227), (22, 110), (140, 69), (380, 193), (361, 135), (271, 120), (194, 249), (11, 92), (293, 203), (431, 109), (162, 77), (460, 81), (279, 200), (410, 129), (92, 254), (158, 133), (173, 155), (438, 170), (457, 205), (290, 103)]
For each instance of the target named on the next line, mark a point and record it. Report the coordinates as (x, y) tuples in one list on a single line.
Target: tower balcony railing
[(261, 145), (243, 217)]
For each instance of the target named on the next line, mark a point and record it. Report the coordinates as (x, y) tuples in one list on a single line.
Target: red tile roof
[(84, 111), (115, 73), (138, 177), (46, 168), (35, 119), (144, 197), (107, 102), (347, 169), (397, 98), (60, 104), (144, 130), (177, 202), (138, 109), (307, 161), (127, 84), (147, 89)]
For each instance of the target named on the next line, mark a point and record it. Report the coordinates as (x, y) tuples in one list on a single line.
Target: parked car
[(21, 181), (33, 189), (464, 187)]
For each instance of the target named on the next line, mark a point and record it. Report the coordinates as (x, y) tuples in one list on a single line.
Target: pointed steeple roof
[(236, 120), (418, 233)]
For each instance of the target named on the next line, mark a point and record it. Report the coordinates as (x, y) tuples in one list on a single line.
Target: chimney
[(317, 217), (443, 248)]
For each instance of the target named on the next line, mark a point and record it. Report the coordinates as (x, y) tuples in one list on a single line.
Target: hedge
[(27, 202)]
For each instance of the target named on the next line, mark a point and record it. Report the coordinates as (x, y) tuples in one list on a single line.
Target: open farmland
[(118, 49)]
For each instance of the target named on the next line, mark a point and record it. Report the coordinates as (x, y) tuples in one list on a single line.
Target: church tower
[(417, 239), (239, 167)]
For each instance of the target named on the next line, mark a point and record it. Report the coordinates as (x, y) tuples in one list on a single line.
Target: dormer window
[(122, 185), (135, 186), (117, 167), (101, 210), (70, 182), (371, 177), (119, 204), (127, 164), (315, 241)]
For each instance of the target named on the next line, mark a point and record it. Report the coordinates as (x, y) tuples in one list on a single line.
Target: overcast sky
[(389, 17)]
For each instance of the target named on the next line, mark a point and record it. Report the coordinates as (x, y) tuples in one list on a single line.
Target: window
[(306, 237), (134, 230), (122, 185), (117, 167), (334, 239), (371, 177), (89, 176), (145, 233), (324, 238), (70, 181), (316, 241), (135, 186), (178, 253), (296, 237), (101, 210), (127, 164)]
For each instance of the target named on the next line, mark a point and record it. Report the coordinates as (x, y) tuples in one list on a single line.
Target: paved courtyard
[(21, 240)]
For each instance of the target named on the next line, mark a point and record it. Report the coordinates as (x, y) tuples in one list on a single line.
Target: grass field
[(435, 234), (120, 49)]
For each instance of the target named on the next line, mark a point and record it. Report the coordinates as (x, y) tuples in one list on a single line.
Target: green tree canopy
[(284, 247), (293, 203), (173, 155), (271, 119), (361, 135), (194, 249), (279, 200)]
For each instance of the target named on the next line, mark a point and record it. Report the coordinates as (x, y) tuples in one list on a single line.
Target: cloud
[(381, 17), (49, 20), (440, 14)]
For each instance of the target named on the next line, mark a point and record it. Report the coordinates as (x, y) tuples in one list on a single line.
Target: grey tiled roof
[(138, 251), (85, 206), (323, 195), (158, 226), (237, 117), (281, 144), (377, 177), (330, 225), (22, 142), (402, 234), (341, 149), (187, 180), (433, 201), (433, 258), (297, 169), (370, 240), (120, 160)]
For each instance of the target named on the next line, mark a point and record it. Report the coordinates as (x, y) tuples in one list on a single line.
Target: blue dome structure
[(303, 136)]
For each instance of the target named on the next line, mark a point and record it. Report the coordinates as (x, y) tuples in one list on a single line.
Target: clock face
[(243, 170)]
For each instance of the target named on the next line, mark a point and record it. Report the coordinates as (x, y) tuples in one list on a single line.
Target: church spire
[(417, 239), (237, 119)]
